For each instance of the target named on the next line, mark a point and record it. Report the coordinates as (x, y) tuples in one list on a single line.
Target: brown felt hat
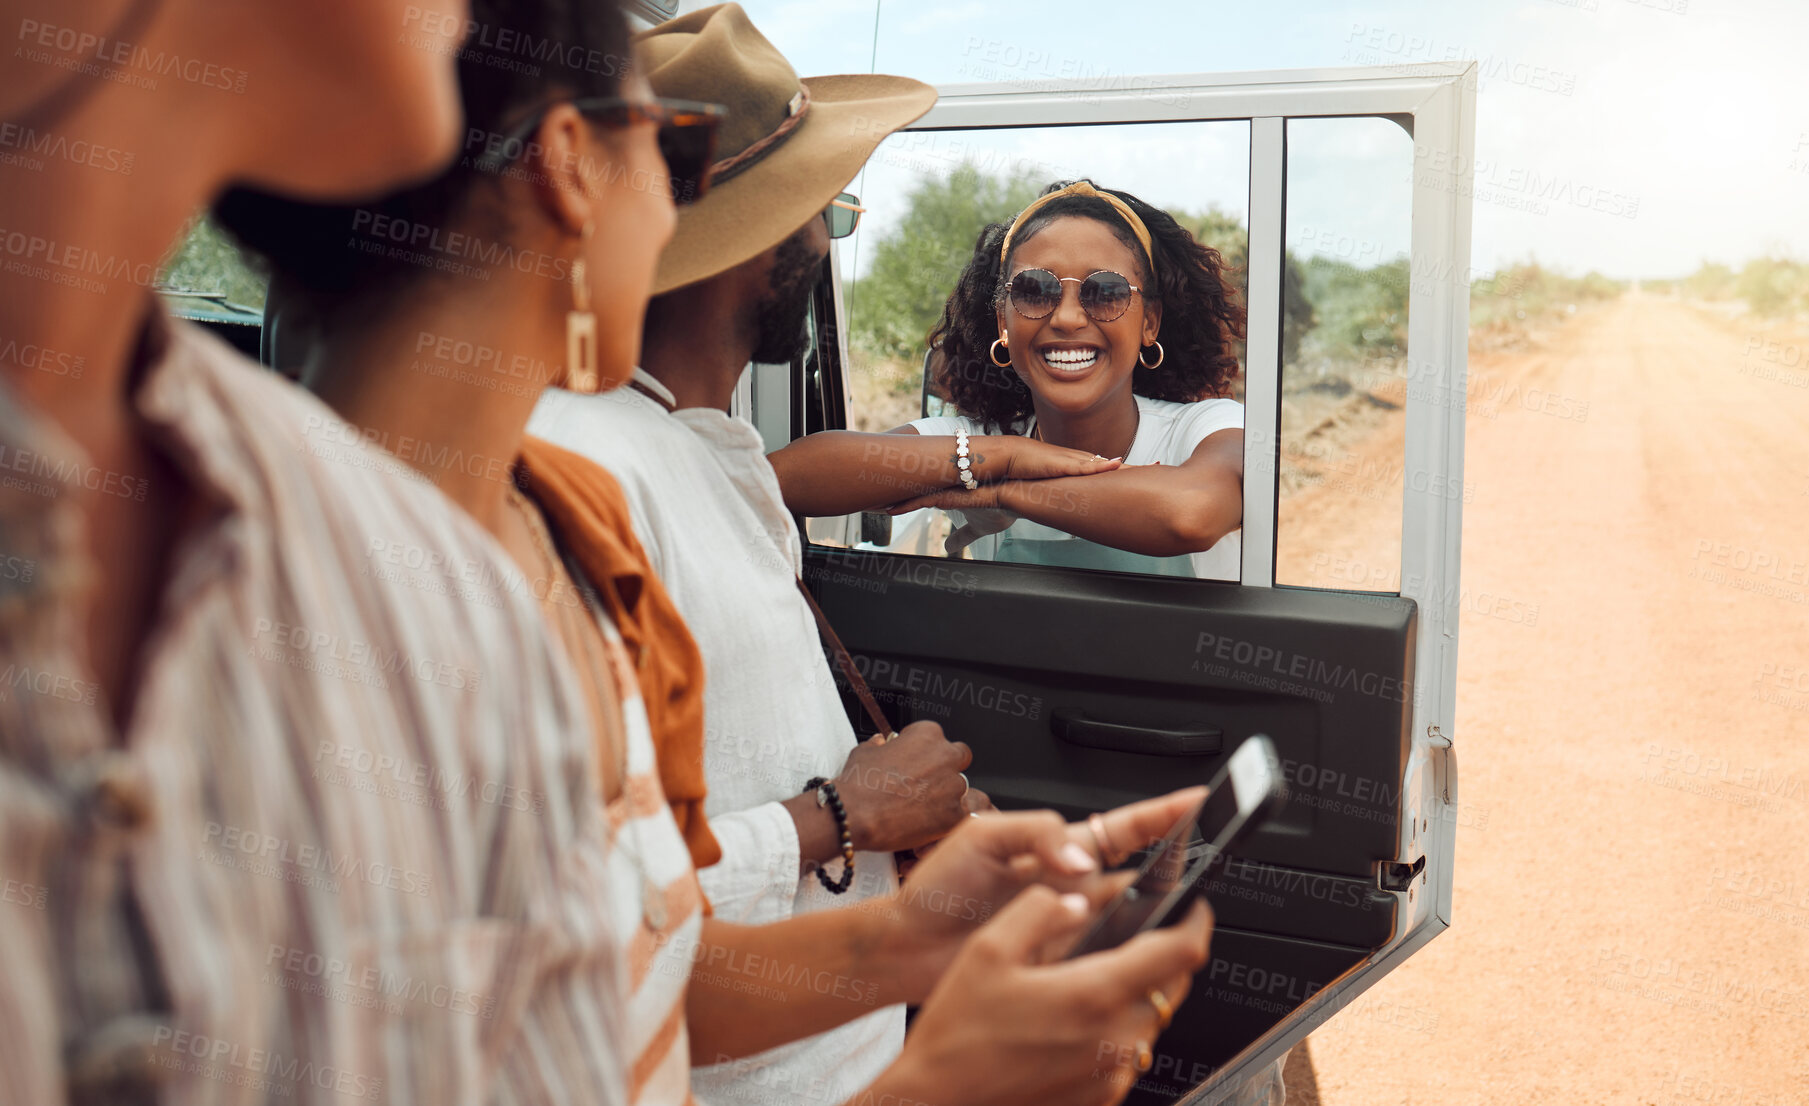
[(787, 146)]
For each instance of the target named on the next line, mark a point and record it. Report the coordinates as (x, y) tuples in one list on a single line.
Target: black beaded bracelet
[(826, 796)]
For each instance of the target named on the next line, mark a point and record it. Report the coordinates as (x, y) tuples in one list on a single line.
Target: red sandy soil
[(1631, 911)]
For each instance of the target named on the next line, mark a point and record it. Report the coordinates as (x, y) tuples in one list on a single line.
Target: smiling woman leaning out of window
[(1088, 348)]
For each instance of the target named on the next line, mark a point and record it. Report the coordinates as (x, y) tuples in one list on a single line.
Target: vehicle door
[(1082, 690)]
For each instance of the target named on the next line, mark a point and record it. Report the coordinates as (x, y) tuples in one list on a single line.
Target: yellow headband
[(1082, 188)]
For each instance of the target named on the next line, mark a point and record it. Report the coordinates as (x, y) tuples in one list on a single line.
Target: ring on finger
[(1165, 1010), (1096, 826), (965, 786), (1145, 1057)]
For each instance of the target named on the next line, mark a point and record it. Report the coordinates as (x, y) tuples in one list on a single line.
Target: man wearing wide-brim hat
[(733, 287)]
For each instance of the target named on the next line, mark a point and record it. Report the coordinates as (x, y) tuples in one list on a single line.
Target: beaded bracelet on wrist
[(826, 795)]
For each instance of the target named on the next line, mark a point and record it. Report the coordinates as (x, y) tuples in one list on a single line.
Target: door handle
[(1194, 741)]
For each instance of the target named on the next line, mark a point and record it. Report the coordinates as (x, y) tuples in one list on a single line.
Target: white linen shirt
[(707, 508)]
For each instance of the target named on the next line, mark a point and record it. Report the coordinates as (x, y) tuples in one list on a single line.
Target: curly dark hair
[(1202, 319)]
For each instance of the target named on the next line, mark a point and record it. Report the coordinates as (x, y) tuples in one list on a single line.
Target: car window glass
[(1346, 367), (928, 194)]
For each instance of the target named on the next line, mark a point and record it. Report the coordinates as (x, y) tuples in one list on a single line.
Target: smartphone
[(1242, 797)]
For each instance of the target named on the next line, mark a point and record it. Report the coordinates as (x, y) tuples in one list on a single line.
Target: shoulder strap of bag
[(846, 664)]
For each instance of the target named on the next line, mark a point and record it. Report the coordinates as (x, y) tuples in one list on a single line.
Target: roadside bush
[(209, 261)]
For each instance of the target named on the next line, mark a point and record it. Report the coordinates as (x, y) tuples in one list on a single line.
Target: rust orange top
[(589, 513)]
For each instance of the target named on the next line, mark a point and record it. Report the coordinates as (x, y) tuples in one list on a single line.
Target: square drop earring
[(581, 373)]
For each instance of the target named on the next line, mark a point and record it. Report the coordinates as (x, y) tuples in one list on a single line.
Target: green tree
[(914, 268), (208, 260), (1773, 285), (1713, 281), (1356, 312)]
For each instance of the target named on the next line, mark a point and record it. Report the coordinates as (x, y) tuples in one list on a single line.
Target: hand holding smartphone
[(1240, 799)]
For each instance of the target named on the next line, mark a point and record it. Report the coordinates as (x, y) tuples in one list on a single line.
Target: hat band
[(798, 107), (1083, 188)]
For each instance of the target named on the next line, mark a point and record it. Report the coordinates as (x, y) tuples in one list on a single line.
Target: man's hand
[(904, 791)]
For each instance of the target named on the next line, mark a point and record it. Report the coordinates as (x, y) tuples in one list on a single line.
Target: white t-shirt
[(1167, 433), (707, 509)]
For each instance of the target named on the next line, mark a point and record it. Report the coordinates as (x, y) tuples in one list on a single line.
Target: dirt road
[(1631, 914)]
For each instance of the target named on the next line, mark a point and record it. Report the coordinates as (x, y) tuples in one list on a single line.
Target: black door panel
[(1252, 981), (997, 658), (1294, 902), (1013, 660)]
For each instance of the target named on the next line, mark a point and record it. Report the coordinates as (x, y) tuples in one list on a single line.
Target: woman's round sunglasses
[(687, 137), (1104, 295)]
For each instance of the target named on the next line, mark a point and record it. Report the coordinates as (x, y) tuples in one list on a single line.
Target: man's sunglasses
[(1104, 295), (687, 137), (843, 214)]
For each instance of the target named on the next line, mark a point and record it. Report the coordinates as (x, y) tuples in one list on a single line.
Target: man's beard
[(780, 314)]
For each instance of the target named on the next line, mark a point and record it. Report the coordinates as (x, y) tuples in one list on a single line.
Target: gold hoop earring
[(1159, 356), (993, 353), (581, 374)]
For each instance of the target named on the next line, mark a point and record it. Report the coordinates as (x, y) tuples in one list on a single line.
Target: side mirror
[(932, 405)]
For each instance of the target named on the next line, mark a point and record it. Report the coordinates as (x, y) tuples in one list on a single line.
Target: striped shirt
[(706, 507), (656, 899), (348, 848)]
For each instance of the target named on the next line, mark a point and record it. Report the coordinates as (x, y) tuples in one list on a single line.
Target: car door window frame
[(1435, 104)]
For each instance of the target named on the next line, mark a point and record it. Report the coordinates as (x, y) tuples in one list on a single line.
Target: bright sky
[(1694, 112)]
